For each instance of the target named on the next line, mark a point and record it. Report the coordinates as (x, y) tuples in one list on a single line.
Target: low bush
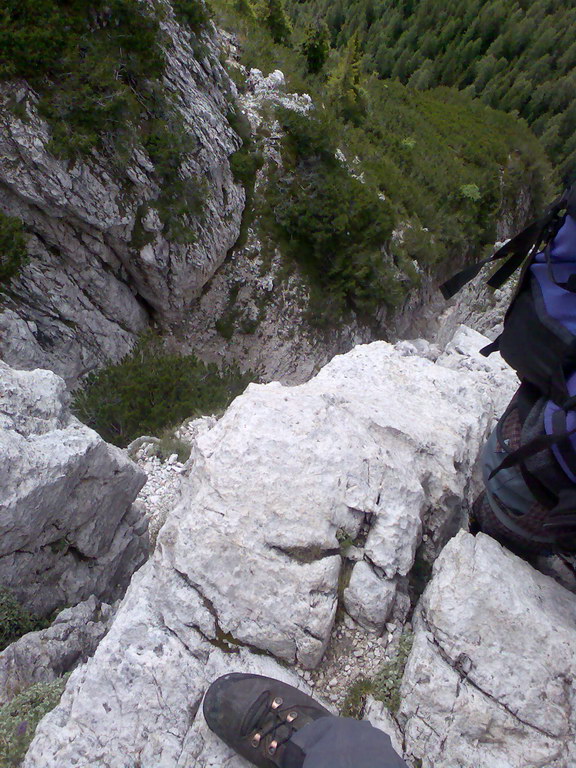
[(334, 225), (13, 252), (167, 143), (15, 621), (385, 686), (20, 717), (151, 390)]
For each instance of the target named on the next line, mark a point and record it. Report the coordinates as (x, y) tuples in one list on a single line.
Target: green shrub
[(167, 143), (150, 390), (471, 192), (15, 621), (13, 251), (20, 717), (334, 225), (385, 686), (194, 13), (244, 165)]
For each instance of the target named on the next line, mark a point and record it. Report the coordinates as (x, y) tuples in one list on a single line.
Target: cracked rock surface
[(68, 528), (40, 657), (490, 682), (246, 569), (91, 286)]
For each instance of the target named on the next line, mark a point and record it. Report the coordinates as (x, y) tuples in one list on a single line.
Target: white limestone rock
[(490, 682), (462, 352), (369, 598), (67, 525), (249, 561), (90, 288), (43, 656), (379, 716)]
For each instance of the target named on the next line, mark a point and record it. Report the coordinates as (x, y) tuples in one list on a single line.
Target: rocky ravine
[(379, 448), (89, 288), (265, 310)]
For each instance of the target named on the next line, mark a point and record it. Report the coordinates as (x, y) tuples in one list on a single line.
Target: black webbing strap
[(531, 449), (564, 513), (560, 426), (492, 347), (560, 434), (521, 246), (525, 244)]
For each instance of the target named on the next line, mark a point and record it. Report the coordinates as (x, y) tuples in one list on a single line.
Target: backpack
[(539, 342), (539, 336), (531, 500)]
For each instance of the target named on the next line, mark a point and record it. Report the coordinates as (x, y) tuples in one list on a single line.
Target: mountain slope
[(515, 55)]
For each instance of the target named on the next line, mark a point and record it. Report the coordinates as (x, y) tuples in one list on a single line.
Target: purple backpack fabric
[(539, 342), (560, 303)]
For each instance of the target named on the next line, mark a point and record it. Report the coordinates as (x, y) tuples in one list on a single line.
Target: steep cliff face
[(253, 311), (102, 265)]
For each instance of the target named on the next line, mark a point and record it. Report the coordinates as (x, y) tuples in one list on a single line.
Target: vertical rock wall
[(91, 286)]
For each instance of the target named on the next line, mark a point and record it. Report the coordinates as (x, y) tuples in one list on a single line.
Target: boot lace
[(278, 719)]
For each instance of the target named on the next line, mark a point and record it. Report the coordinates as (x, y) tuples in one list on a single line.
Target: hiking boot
[(257, 716)]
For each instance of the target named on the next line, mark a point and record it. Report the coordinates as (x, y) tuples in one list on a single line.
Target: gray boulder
[(40, 657), (490, 682), (68, 528)]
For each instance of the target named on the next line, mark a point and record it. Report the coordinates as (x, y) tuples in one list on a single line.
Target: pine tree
[(316, 46), (344, 82), (277, 22)]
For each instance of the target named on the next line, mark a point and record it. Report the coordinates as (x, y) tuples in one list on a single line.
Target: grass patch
[(385, 686), (20, 717), (169, 445), (151, 390), (355, 700)]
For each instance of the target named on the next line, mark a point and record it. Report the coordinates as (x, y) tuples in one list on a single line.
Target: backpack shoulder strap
[(525, 244)]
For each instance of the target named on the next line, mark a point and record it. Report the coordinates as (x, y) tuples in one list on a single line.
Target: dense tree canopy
[(517, 55)]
